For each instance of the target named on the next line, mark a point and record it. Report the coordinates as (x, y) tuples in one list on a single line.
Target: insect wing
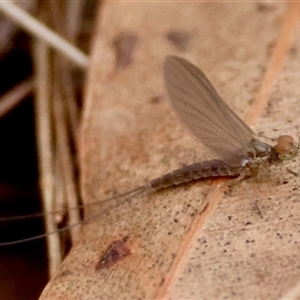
[(205, 113)]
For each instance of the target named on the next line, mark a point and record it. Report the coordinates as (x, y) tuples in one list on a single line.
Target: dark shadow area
[(23, 267)]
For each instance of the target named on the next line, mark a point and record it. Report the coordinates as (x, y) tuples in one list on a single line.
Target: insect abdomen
[(211, 168)]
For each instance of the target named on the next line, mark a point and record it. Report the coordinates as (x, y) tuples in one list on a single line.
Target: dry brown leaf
[(245, 243)]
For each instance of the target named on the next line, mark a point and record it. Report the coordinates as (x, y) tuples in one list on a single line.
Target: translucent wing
[(206, 114)]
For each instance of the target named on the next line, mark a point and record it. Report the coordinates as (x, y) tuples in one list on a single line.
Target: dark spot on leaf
[(124, 44), (156, 99), (162, 281), (116, 251), (264, 7), (65, 273), (180, 39)]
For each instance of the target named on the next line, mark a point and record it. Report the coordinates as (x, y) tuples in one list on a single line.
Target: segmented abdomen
[(210, 168)]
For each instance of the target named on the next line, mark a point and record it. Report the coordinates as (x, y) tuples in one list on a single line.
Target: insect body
[(214, 123)]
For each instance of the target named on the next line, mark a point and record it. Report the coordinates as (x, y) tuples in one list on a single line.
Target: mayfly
[(212, 121)]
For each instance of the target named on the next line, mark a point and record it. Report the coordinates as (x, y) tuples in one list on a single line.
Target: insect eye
[(285, 144), (286, 139)]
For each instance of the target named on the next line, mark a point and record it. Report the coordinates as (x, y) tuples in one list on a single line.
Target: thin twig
[(44, 145), (67, 88), (39, 30), (59, 204), (13, 97), (65, 155), (74, 14)]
